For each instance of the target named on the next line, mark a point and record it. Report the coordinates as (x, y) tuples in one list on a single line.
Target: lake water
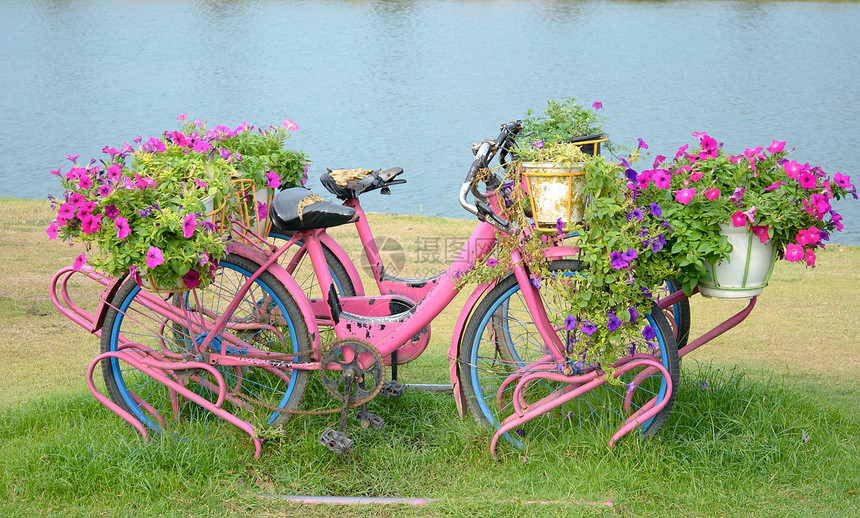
[(414, 83)]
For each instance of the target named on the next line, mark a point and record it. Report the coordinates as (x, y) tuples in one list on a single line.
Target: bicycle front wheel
[(172, 329), (502, 344)]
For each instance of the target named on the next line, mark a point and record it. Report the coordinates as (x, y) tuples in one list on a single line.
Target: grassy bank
[(772, 432)]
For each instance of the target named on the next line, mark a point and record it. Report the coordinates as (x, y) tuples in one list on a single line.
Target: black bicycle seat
[(350, 183), (299, 208)]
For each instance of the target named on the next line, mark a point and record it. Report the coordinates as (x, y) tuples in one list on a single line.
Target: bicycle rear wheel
[(266, 320), (502, 338)]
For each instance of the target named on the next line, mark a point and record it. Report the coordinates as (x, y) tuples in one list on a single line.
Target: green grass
[(734, 447)]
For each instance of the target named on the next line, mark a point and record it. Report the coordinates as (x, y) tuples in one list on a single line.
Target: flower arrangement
[(145, 210), (560, 122), (779, 200)]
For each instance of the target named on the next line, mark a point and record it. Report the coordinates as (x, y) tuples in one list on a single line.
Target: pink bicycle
[(243, 349)]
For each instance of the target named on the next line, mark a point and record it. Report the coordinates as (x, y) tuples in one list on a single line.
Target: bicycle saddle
[(299, 208), (349, 183)]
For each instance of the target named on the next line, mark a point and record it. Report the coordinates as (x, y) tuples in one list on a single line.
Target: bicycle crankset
[(352, 369)]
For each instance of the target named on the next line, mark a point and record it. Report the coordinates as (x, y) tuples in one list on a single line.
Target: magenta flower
[(810, 257), (226, 154), (807, 180), (52, 230), (273, 180), (122, 228), (154, 257), (290, 125), (774, 186), (712, 194), (739, 219), (750, 214), (72, 158), (191, 279), (66, 211), (695, 177), (842, 180), (104, 190), (662, 179), (642, 144), (588, 327), (111, 211), (85, 182), (685, 196), (262, 210), (793, 253), (189, 225), (80, 261), (752, 152), (836, 219), (91, 224), (492, 263), (597, 105), (761, 231), (201, 184), (792, 169), (201, 146), (182, 117), (776, 147)]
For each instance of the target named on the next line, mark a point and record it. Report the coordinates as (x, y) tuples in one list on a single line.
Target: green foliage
[(561, 121)]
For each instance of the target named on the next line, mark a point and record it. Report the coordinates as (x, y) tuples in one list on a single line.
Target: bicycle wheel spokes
[(510, 371), (179, 330)]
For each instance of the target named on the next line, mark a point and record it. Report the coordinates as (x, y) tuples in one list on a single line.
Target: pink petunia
[(695, 177), (262, 210), (712, 194), (662, 179), (807, 180), (685, 196), (761, 231), (836, 219), (189, 225), (793, 253), (91, 224), (181, 117), (773, 186), (290, 125), (80, 261), (111, 211), (810, 257), (52, 230), (201, 146), (642, 144), (792, 169), (776, 147), (122, 228), (104, 190), (154, 257), (842, 180), (273, 180), (739, 219), (113, 172), (752, 152), (597, 105), (750, 214), (66, 211), (85, 182)]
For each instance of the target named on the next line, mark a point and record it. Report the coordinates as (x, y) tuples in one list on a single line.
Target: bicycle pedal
[(392, 389), (335, 441), (369, 420)]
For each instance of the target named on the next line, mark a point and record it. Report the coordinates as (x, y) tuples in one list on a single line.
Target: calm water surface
[(415, 83)]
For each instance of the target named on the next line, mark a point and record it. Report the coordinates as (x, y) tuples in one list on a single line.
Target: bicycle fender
[(456, 343), (292, 286)]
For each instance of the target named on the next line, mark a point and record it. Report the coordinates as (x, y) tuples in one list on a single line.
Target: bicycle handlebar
[(484, 154)]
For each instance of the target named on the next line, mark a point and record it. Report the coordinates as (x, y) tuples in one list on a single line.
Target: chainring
[(344, 358)]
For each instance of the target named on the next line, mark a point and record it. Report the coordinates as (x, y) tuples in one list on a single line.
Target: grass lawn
[(765, 424)]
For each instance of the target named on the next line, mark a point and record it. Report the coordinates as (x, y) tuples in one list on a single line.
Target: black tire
[(490, 352), (255, 394), (679, 313)]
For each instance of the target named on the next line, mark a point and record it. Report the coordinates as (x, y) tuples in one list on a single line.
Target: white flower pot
[(746, 270), (555, 192)]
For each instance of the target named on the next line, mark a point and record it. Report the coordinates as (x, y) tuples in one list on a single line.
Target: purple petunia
[(588, 327), (614, 322)]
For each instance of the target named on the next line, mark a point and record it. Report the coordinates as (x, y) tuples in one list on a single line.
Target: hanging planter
[(555, 193), (745, 272)]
